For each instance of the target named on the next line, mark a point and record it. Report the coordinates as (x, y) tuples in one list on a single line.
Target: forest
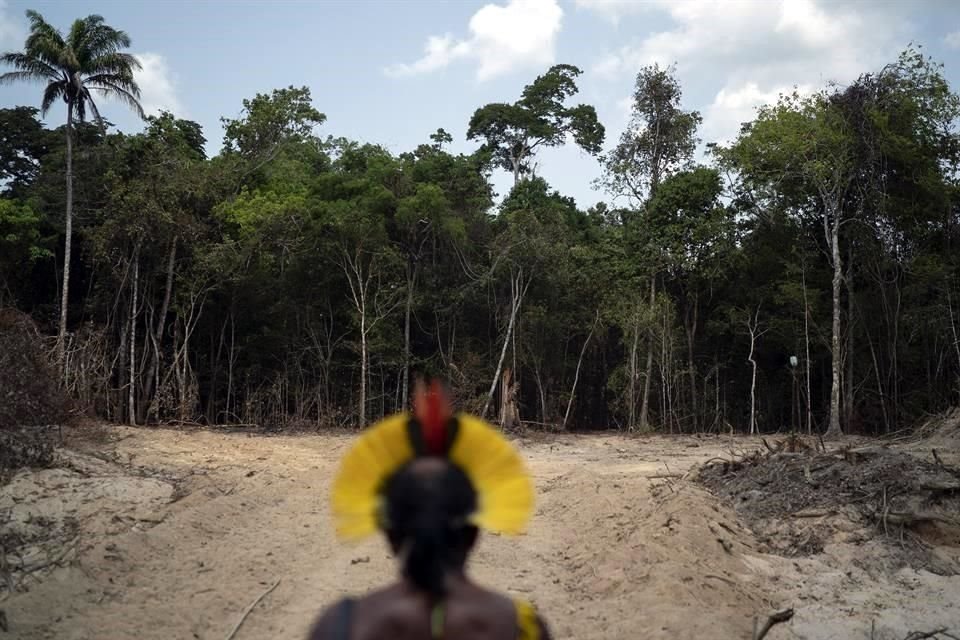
[(803, 277)]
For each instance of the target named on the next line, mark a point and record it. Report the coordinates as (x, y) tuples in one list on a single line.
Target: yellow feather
[(376, 454), (504, 488)]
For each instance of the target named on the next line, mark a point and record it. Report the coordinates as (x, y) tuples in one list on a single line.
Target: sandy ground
[(173, 534)]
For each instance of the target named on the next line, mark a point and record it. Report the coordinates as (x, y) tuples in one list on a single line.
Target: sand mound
[(638, 550), (941, 434)]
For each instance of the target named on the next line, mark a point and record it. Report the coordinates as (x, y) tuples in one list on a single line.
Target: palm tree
[(88, 60)]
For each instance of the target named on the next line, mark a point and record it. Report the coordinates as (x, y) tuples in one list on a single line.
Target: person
[(429, 481)]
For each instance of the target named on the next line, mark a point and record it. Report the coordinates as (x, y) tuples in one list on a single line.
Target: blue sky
[(393, 72)]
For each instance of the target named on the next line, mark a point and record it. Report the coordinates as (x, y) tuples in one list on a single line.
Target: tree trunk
[(848, 388), (576, 375), (411, 282), (363, 359), (131, 390), (231, 360), (806, 338), (645, 402), (153, 373), (121, 371), (634, 374), (67, 245), (509, 415), (953, 330), (835, 351), (753, 325), (691, 369), (542, 393), (516, 300)]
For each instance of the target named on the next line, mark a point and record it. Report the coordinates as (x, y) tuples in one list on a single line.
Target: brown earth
[(164, 534)]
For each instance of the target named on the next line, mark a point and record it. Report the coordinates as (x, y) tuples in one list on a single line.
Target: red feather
[(432, 410)]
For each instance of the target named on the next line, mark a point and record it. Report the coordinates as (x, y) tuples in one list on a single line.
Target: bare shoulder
[(363, 616), (507, 607), (329, 622)]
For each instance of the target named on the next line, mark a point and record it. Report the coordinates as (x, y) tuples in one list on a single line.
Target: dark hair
[(427, 506)]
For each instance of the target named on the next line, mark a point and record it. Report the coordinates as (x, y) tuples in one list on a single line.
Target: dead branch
[(32, 567), (813, 514), (772, 621), (920, 635), (909, 518), (937, 458), (250, 608)]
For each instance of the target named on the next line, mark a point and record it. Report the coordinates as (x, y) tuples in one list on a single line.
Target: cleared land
[(148, 533)]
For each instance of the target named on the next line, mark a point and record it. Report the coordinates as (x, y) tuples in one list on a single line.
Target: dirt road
[(174, 534)]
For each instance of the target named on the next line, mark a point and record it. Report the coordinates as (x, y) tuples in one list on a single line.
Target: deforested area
[(698, 261)]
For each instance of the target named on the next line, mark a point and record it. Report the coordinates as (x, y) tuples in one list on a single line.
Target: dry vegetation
[(32, 407)]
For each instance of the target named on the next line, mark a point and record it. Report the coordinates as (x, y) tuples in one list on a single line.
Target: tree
[(659, 140), (354, 205), (153, 194), (88, 59), (692, 235), (513, 132), (23, 142), (270, 123), (804, 148), (20, 241)]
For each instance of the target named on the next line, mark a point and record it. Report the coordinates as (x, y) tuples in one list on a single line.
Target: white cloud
[(520, 34), (608, 66), (733, 106), (952, 40), (12, 33), (744, 54), (613, 9), (157, 85)]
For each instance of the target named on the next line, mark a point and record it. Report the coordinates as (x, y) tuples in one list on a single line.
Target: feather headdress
[(494, 467)]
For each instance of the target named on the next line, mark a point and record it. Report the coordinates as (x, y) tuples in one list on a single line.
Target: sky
[(393, 72)]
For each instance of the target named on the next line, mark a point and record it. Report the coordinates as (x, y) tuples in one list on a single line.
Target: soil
[(156, 533)]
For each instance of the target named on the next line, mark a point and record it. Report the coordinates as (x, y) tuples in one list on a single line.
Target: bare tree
[(518, 289), (576, 375), (753, 327), (364, 270)]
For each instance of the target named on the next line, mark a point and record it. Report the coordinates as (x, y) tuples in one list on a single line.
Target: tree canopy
[(298, 278)]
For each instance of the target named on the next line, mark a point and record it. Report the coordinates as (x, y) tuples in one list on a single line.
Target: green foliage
[(87, 60), (23, 142), (269, 120), (20, 239), (659, 140), (290, 275), (513, 132)]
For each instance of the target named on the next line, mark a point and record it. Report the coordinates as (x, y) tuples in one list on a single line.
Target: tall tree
[(692, 235), (512, 133), (88, 60), (269, 124), (803, 147), (659, 140)]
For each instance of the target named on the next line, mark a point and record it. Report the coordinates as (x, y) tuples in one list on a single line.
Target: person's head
[(428, 502), (428, 479)]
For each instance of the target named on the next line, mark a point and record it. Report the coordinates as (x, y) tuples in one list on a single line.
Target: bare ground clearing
[(156, 533)]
